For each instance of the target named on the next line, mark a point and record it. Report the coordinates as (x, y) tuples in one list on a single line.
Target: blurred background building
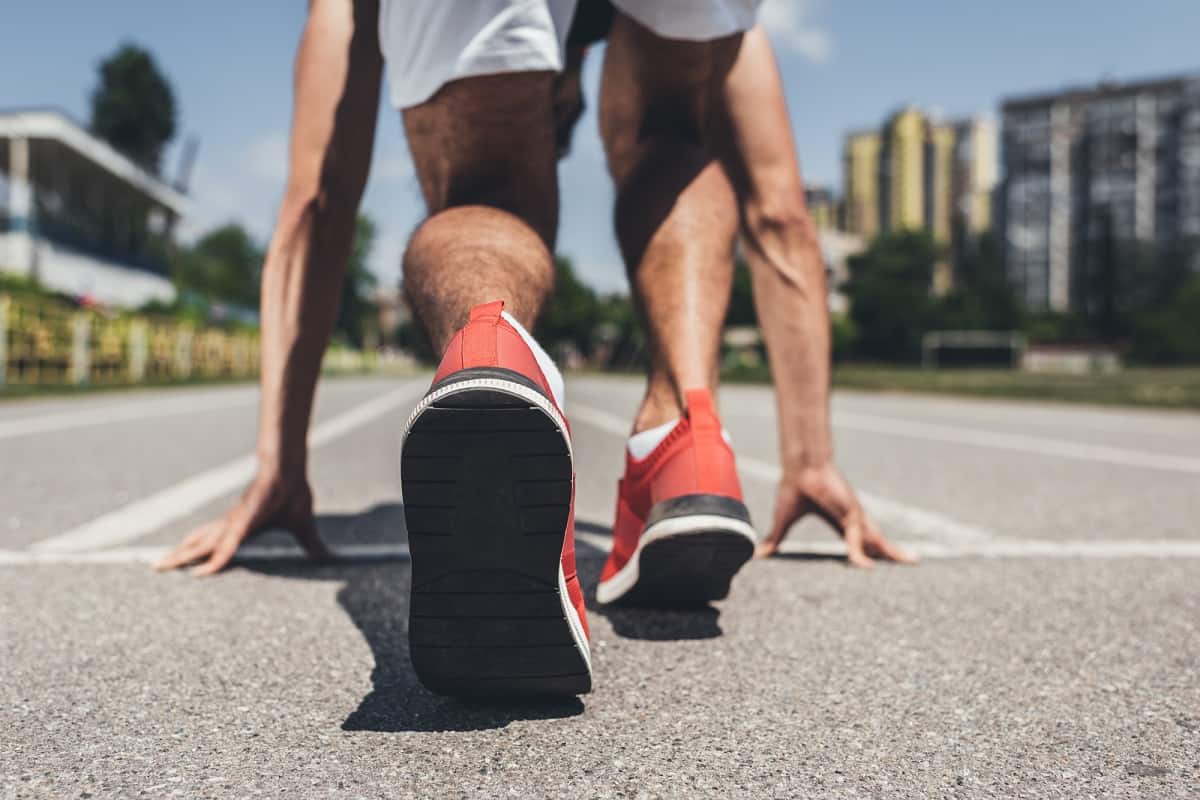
[(81, 218), (1096, 179), (920, 173), (822, 207)]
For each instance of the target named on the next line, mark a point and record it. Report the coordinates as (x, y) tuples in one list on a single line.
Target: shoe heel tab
[(479, 347), (489, 312), (702, 416)]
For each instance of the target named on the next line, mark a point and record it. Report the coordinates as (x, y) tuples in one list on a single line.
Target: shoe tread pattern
[(487, 492)]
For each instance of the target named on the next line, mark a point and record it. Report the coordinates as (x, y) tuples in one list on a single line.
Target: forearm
[(336, 96), (788, 274), (780, 244)]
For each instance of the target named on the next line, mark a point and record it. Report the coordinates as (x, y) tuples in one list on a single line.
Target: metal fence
[(47, 343)]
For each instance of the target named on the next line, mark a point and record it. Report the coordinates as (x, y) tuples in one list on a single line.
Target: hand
[(269, 502), (825, 492)]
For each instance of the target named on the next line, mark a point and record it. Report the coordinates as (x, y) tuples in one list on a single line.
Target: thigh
[(657, 90), (489, 140)]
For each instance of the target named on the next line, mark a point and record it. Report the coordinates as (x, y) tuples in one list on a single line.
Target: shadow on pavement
[(652, 625), (375, 595), (841, 559)]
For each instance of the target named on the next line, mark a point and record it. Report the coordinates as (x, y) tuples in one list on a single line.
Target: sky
[(846, 64)]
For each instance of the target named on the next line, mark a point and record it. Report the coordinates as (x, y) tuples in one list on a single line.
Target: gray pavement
[(1049, 645)]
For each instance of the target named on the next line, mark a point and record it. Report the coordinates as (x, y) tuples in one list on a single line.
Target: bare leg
[(484, 150), (676, 216)]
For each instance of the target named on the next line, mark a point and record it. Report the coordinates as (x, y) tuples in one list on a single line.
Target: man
[(487, 458)]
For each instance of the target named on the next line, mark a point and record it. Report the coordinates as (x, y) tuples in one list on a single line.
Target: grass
[(1177, 387), (21, 391)]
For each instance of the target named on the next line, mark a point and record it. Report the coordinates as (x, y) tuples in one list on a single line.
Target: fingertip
[(765, 550), (861, 561), (207, 569), (167, 563)]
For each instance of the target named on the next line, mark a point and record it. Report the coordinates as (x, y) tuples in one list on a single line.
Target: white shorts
[(428, 43)]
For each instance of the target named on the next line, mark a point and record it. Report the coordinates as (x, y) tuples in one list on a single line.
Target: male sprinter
[(486, 461)]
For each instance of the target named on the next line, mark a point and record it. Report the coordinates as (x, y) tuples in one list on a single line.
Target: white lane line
[(996, 548), (151, 513), (124, 412), (1016, 442), (250, 553), (378, 553), (889, 513)]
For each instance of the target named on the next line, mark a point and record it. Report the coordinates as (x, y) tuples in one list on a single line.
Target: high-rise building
[(1091, 175), (920, 173), (861, 183), (902, 171), (974, 174)]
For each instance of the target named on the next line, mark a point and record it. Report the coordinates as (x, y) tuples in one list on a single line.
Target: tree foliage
[(1171, 335), (358, 316), (572, 312), (133, 106), (224, 265), (741, 298), (890, 304)]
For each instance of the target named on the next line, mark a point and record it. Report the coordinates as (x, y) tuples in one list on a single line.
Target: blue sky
[(846, 65)]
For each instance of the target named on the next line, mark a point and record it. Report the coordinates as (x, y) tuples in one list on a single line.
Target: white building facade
[(79, 217)]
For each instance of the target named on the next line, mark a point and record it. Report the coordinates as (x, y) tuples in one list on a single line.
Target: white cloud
[(791, 25)]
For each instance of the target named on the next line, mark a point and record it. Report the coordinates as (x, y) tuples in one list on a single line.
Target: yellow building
[(921, 174), (902, 168), (939, 180), (939, 198), (861, 178), (975, 172)]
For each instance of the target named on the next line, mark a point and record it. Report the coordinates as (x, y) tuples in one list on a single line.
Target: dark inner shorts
[(592, 22)]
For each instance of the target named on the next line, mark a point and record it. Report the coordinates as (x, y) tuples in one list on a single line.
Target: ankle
[(655, 412)]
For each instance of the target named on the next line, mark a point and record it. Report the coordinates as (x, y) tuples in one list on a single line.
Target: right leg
[(485, 157), (486, 462)]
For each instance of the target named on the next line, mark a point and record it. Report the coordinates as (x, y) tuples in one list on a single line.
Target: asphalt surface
[(1048, 645)]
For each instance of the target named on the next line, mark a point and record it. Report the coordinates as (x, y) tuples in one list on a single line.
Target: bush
[(1171, 336)]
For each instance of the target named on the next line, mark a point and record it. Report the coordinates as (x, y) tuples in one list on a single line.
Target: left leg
[(675, 216), (681, 530)]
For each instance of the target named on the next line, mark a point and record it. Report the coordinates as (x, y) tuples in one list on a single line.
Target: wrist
[(281, 463)]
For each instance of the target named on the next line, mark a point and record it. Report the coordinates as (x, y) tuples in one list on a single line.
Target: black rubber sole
[(487, 492), (687, 570)]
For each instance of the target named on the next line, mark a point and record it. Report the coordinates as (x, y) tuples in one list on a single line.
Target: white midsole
[(500, 385), (538, 399), (627, 577)]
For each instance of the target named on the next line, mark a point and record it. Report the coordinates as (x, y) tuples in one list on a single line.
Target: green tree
[(133, 107), (888, 289), (741, 298), (358, 315), (571, 314), (223, 265), (982, 298), (1171, 335)]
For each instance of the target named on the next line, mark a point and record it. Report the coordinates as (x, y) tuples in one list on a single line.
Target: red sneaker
[(489, 502), (682, 531)]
